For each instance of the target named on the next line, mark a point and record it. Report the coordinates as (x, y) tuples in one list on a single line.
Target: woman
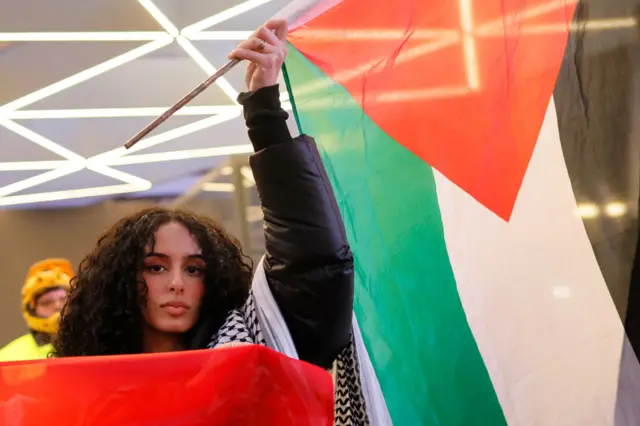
[(164, 280)]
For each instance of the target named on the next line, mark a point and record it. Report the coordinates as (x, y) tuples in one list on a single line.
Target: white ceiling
[(80, 78)]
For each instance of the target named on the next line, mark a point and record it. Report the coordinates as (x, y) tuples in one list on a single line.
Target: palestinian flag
[(250, 385), (482, 157)]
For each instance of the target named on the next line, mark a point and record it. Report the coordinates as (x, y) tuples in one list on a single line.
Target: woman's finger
[(280, 26), (262, 59), (257, 44), (268, 36)]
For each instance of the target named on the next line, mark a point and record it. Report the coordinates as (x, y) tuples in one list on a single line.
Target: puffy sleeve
[(308, 262)]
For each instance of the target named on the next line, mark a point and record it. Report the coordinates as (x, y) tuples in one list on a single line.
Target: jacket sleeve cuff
[(265, 118)]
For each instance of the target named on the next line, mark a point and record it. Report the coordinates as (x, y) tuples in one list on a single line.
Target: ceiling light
[(109, 156), (561, 292), (87, 74), (219, 35), (39, 179), (188, 154), (223, 187), (223, 16), (99, 191), (189, 48), (82, 36), (40, 140), (218, 187), (615, 209), (14, 166), (115, 112), (588, 210)]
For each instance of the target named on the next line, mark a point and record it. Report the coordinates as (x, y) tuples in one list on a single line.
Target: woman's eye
[(155, 268), (194, 270)]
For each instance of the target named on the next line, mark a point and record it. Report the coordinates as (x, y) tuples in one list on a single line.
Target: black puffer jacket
[(309, 265)]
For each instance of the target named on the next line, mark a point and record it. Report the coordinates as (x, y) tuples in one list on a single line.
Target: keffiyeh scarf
[(358, 398)]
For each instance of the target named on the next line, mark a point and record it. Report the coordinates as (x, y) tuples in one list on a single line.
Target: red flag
[(249, 385)]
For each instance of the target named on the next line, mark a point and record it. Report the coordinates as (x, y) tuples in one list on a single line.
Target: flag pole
[(182, 102)]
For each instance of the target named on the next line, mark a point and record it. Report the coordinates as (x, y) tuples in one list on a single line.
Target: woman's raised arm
[(309, 265)]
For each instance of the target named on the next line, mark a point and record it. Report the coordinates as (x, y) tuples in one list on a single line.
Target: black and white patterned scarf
[(358, 399)]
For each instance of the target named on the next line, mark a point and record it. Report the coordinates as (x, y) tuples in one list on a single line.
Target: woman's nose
[(177, 284)]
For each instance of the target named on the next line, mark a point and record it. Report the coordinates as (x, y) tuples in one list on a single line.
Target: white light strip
[(82, 36), (99, 191), (219, 35), (14, 166), (248, 175), (469, 45), (189, 48), (39, 179), (109, 156), (188, 154), (218, 187), (160, 17), (513, 20), (86, 74), (41, 140), (115, 112), (591, 26), (208, 68), (223, 187), (119, 175), (223, 16)]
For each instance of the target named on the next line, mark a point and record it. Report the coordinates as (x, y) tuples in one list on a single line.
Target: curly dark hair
[(103, 314)]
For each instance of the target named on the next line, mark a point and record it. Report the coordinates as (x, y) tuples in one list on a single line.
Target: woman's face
[(174, 274)]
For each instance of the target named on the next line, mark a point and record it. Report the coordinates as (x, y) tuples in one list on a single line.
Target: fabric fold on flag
[(250, 385)]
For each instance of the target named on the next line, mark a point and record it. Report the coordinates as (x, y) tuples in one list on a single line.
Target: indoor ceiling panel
[(166, 171), (183, 13), (160, 78), (82, 179), (29, 66), (78, 99), (14, 147), (229, 133), (171, 188), (58, 204), (215, 49), (8, 178), (74, 15), (251, 19), (93, 136)]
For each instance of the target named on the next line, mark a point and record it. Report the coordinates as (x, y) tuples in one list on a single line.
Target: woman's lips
[(175, 309)]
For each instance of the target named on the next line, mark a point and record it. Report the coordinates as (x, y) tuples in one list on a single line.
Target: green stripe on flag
[(407, 304)]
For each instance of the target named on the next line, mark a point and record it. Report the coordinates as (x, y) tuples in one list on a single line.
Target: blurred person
[(43, 296), (166, 280)]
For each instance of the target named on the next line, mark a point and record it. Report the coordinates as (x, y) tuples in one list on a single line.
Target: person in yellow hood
[(43, 296)]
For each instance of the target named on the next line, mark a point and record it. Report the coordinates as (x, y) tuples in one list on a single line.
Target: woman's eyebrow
[(165, 256)]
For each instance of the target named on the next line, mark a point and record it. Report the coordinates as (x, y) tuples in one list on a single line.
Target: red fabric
[(481, 140), (238, 386)]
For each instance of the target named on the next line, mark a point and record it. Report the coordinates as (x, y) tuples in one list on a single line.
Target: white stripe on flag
[(537, 303)]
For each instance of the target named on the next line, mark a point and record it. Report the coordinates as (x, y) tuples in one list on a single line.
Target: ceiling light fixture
[(82, 36), (225, 15), (39, 114)]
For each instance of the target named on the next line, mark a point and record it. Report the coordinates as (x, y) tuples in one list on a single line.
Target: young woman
[(163, 280)]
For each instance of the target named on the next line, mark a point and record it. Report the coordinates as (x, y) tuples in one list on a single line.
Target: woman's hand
[(265, 50)]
